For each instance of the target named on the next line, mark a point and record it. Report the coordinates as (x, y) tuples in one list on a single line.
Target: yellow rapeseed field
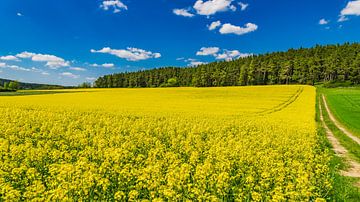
[(168, 144)]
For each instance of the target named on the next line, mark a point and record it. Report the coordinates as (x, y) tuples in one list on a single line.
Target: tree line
[(329, 64), (9, 86)]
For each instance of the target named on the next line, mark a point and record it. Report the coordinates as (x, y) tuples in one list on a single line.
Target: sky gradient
[(68, 42)]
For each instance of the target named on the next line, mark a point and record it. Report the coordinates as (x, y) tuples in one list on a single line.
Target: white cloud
[(352, 8), (214, 25), (69, 74), (343, 18), (224, 55), (19, 14), (117, 5), (194, 62), (106, 65), (230, 55), (17, 68), (90, 78), (323, 22), (197, 63), (77, 69), (232, 29), (211, 7), (208, 51), (130, 54), (183, 12), (42, 72), (25, 55), (9, 58), (52, 61), (34, 69), (243, 6), (180, 58)]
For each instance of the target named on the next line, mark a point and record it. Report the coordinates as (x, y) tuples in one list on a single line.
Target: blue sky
[(71, 41)]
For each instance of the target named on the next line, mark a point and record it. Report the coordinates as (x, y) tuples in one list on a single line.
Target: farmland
[(236, 143), (345, 105)]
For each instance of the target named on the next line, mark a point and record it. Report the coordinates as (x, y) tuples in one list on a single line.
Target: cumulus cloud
[(194, 62), (37, 70), (90, 78), (343, 18), (352, 8), (25, 55), (223, 55), (9, 58), (204, 51), (77, 69), (18, 68), (243, 6), (232, 29), (130, 54), (229, 55), (214, 25), (183, 12), (52, 61), (42, 72), (19, 14), (106, 65), (197, 63), (212, 7), (116, 5), (323, 22), (70, 75)]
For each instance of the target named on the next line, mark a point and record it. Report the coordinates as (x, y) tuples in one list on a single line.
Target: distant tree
[(172, 82), (243, 76), (85, 85), (13, 85), (6, 85)]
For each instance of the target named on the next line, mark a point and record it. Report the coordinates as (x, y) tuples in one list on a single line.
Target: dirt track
[(338, 124), (354, 167)]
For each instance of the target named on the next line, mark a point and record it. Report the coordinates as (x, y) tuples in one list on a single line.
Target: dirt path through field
[(338, 124), (354, 167)]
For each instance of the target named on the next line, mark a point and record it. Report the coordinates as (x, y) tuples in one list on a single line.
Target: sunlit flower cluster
[(211, 144)]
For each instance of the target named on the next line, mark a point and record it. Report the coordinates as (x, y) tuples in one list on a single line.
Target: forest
[(328, 64)]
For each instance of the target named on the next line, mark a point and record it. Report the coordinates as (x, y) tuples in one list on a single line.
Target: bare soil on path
[(354, 167)]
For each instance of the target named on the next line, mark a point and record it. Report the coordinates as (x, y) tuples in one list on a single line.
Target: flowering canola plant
[(169, 144)]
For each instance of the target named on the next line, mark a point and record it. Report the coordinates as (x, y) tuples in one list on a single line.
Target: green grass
[(344, 103), (33, 92), (344, 189), (345, 141)]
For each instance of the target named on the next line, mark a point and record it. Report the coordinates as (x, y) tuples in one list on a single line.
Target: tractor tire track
[(283, 105)]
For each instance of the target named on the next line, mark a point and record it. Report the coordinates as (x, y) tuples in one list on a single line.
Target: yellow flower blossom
[(173, 144)]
